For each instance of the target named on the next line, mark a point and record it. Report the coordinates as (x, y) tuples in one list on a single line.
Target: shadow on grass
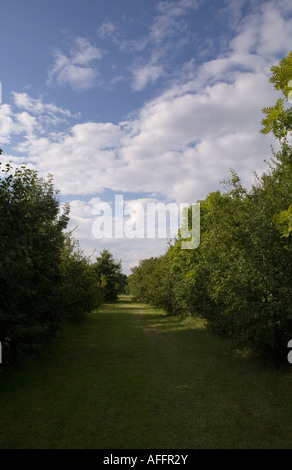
[(189, 329)]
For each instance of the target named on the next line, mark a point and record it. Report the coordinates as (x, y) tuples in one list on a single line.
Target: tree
[(80, 289), (110, 276), (150, 282), (31, 242)]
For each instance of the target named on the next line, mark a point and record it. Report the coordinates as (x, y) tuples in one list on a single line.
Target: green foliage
[(278, 119), (148, 282), (284, 222), (31, 241), (250, 281), (111, 279), (80, 289), (282, 75)]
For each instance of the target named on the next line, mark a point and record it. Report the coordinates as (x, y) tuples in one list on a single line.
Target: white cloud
[(267, 30), (36, 106), (147, 74), (76, 70), (6, 123), (27, 123), (81, 160), (168, 22), (107, 29)]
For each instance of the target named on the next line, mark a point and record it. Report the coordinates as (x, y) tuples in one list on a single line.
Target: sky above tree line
[(153, 101)]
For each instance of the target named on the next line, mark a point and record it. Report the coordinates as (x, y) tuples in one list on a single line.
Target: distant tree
[(80, 289), (124, 283), (109, 273), (151, 282)]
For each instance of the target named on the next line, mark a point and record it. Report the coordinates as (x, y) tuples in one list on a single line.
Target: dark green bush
[(31, 242)]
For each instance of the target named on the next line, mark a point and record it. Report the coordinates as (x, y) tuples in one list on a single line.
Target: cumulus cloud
[(178, 145)]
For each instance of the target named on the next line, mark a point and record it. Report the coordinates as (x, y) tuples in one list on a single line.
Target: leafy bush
[(80, 289), (31, 241)]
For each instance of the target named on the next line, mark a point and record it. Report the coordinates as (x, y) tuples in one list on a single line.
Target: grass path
[(128, 377)]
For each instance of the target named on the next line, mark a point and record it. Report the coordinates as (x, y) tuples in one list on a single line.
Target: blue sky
[(152, 100)]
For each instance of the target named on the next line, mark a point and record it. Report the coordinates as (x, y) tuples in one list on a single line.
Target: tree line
[(239, 279), (45, 277)]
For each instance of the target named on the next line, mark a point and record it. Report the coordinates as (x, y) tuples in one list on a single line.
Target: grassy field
[(129, 377)]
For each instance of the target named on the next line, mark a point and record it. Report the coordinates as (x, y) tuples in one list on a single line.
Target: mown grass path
[(129, 377)]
